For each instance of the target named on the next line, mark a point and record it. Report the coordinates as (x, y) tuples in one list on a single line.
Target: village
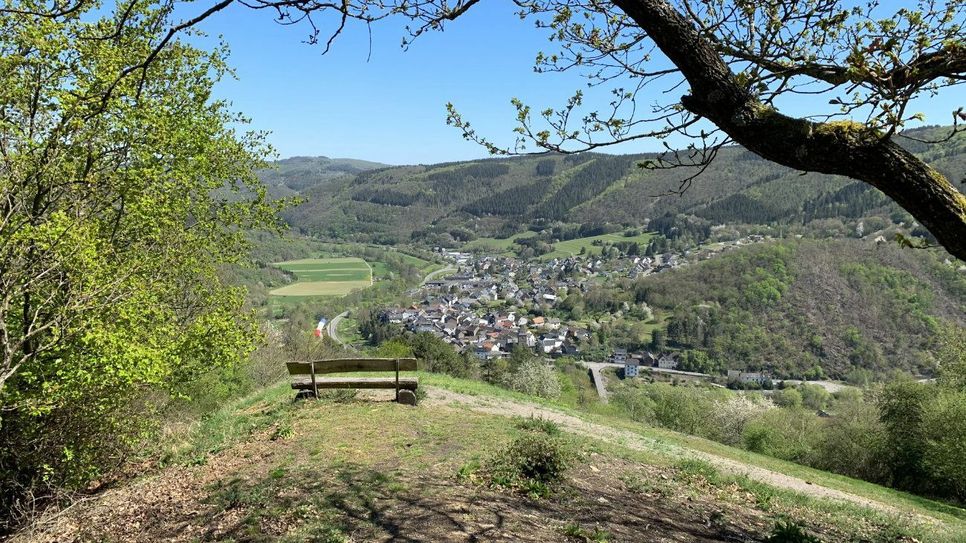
[(492, 305)]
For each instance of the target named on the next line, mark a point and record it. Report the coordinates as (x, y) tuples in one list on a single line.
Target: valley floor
[(372, 470)]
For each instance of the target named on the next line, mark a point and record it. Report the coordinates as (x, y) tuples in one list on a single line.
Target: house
[(668, 361), (550, 345), (748, 377), (631, 367), (619, 356)]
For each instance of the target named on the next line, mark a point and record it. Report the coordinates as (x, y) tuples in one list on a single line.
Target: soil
[(268, 489)]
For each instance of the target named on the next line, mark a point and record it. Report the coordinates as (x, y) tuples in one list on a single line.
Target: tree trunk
[(840, 148)]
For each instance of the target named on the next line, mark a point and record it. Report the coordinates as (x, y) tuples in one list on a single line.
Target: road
[(333, 328), (598, 378), (599, 383), (432, 275)]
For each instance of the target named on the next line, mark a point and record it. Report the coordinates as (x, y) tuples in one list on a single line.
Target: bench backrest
[(341, 365)]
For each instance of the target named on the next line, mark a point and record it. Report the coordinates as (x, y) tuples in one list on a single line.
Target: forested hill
[(853, 308), (294, 175), (493, 196)]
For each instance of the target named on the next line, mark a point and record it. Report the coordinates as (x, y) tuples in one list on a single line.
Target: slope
[(851, 307), (370, 470), (457, 201)]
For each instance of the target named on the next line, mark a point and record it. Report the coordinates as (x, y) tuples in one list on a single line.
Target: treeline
[(770, 307), (586, 184), (904, 434), (511, 202), (678, 231), (740, 208), (854, 200), (384, 196), (591, 187)]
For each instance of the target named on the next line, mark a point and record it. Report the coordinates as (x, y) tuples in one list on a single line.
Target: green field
[(495, 245), (325, 276), (563, 249)]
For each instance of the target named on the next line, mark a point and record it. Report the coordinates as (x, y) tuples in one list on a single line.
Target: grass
[(236, 420), (424, 266), (342, 442), (677, 444), (349, 330), (495, 245), (561, 249), (571, 247), (335, 445), (325, 276), (310, 289)]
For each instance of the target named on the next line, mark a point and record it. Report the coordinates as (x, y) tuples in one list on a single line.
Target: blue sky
[(391, 107)]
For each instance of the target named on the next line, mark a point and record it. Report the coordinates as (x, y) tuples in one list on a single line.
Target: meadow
[(325, 276), (561, 249), (570, 247)]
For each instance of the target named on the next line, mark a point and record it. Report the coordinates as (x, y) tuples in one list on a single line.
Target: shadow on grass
[(351, 502), (348, 502)]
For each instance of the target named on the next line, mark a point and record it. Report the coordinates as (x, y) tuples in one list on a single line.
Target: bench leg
[(406, 397)]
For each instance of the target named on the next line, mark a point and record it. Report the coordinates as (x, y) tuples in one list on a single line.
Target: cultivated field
[(325, 276)]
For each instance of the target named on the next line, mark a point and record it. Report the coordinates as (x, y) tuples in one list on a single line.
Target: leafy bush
[(533, 463), (535, 378), (538, 424)]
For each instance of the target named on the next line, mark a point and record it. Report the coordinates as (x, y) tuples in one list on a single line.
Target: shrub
[(789, 434), (533, 463), (538, 424), (730, 416), (535, 378)]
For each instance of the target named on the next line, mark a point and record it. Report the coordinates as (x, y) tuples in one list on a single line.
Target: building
[(619, 356), (631, 367), (748, 377), (668, 361)]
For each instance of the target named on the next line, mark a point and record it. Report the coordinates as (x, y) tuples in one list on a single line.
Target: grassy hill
[(461, 200), (365, 469)]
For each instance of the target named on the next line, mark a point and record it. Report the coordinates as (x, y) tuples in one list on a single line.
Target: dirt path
[(508, 408)]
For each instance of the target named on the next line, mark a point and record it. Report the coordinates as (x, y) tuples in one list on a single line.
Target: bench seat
[(305, 375), (405, 383)]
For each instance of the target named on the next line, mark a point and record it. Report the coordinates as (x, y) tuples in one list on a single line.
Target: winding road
[(432, 275), (598, 378), (333, 327)]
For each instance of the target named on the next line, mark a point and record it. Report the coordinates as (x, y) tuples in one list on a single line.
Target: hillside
[(364, 469), (433, 204), (295, 175), (850, 307)]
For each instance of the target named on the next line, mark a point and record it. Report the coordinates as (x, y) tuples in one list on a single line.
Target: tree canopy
[(120, 198), (725, 68)]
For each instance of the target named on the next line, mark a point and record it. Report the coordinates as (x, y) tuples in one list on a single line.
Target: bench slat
[(339, 365), (405, 383)]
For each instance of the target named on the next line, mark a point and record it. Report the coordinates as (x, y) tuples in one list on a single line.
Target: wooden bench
[(306, 375)]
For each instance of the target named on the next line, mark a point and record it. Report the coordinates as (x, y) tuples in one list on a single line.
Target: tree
[(120, 199), (738, 60)]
